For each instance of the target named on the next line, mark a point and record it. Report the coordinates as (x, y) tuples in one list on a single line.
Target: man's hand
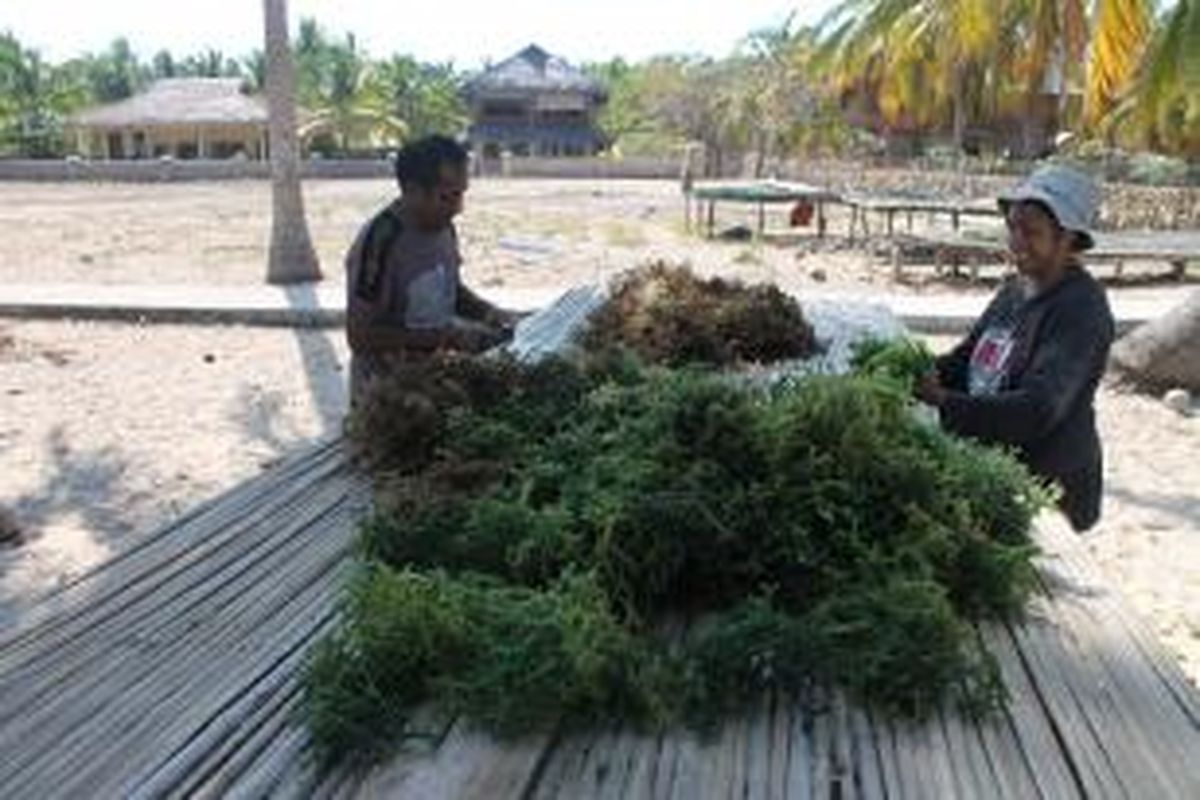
[(504, 319), (475, 337), (929, 390)]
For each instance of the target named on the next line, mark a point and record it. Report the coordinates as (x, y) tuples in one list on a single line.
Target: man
[(1027, 374), (404, 296)]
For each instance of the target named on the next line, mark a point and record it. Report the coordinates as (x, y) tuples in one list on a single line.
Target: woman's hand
[(929, 390)]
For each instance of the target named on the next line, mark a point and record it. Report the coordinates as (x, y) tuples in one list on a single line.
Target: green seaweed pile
[(572, 542)]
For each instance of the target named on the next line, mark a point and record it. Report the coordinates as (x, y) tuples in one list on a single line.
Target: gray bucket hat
[(1071, 196)]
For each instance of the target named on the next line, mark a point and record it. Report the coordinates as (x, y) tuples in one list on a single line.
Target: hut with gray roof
[(535, 104), (179, 117)]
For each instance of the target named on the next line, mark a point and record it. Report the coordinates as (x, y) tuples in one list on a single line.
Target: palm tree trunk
[(1164, 353), (292, 258)]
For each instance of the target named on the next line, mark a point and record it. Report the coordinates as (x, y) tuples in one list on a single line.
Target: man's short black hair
[(420, 163)]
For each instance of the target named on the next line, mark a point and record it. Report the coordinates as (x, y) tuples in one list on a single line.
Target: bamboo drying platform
[(1173, 248), (760, 194), (174, 670), (888, 206)]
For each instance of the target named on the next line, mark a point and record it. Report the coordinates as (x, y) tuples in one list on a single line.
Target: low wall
[(160, 171), (584, 168), (1125, 206)]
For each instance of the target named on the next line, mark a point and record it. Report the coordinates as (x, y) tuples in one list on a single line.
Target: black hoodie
[(1050, 356)]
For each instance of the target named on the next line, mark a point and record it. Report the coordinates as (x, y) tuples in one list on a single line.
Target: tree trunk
[(760, 158), (292, 258), (960, 116), (1164, 353)]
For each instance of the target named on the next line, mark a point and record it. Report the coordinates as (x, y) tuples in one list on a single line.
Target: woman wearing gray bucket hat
[(1026, 375)]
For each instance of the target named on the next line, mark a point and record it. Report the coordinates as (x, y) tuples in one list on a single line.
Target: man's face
[(1039, 246), (438, 206)]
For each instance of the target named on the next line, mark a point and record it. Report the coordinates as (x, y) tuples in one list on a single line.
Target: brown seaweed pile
[(667, 315)]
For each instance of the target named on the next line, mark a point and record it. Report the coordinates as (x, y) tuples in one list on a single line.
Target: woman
[(1026, 375)]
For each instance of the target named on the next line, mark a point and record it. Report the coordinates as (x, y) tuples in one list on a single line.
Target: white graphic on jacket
[(990, 361)]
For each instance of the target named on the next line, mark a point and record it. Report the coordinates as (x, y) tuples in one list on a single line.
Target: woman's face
[(1040, 247)]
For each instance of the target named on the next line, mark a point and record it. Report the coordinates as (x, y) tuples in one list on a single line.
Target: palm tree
[(1164, 108), (1120, 32), (292, 258), (921, 57), (348, 104), (338, 90), (427, 97), (1161, 108)]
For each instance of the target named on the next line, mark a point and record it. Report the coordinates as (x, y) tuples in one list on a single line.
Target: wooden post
[(201, 144), (853, 221), (712, 214), (820, 219), (891, 222), (762, 219)]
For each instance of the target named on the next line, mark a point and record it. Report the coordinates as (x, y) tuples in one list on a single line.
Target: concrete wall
[(534, 167), (151, 171), (165, 170)]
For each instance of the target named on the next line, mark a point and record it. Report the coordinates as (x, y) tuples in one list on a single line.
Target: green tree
[(695, 100), (115, 74), (254, 67), (773, 99), (164, 65), (624, 114), (337, 90), (35, 100), (210, 64), (427, 97)]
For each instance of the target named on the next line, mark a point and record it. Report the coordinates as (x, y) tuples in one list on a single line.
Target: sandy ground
[(516, 234), (110, 430), (1149, 539)]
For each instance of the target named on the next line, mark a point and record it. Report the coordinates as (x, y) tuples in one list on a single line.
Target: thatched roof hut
[(535, 103), (180, 117)]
